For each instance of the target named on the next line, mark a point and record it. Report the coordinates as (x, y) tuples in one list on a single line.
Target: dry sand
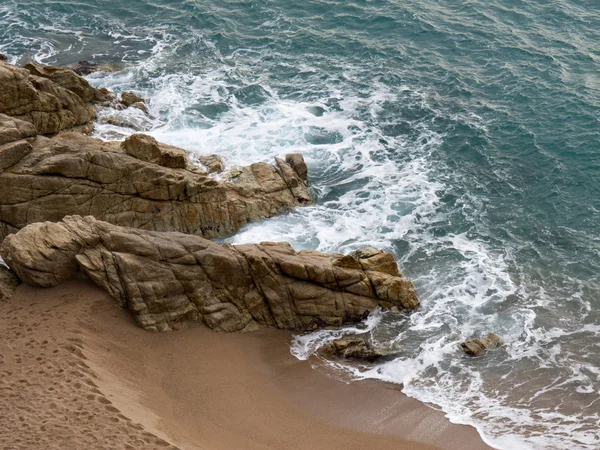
[(76, 373)]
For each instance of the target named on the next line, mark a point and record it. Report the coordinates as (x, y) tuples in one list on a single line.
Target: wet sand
[(76, 372)]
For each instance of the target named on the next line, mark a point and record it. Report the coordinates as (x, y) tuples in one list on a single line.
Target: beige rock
[(480, 346), (76, 174), (129, 98), (8, 283), (169, 279), (48, 97), (146, 148)]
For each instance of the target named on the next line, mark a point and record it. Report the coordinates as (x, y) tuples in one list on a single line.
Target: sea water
[(462, 136)]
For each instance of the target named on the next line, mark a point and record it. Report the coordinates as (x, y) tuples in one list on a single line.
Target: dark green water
[(463, 136)]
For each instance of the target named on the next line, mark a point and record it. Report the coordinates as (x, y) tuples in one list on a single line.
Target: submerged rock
[(480, 346), (168, 279), (353, 348), (140, 183), (8, 283), (84, 68)]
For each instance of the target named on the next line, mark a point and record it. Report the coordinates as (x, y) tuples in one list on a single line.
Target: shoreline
[(194, 388)]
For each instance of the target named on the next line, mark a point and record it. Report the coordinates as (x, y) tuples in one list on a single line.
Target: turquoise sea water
[(462, 136)]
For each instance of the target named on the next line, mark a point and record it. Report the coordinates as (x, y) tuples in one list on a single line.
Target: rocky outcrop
[(8, 283), (480, 346), (351, 348), (138, 183), (168, 279), (51, 98)]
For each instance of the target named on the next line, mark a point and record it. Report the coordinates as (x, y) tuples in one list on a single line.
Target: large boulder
[(168, 279), (53, 99), (139, 183)]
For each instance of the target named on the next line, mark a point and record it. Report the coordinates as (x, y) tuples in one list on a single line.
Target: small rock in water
[(129, 98), (84, 68), (213, 163), (355, 348), (480, 346), (3, 57)]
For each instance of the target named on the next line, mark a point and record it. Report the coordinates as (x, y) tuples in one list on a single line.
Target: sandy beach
[(76, 372)]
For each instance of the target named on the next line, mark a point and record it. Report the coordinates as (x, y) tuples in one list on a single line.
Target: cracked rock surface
[(138, 183), (169, 279), (50, 98)]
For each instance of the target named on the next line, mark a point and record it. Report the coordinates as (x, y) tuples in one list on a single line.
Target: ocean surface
[(461, 135)]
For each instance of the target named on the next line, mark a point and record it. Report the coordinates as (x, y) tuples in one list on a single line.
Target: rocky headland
[(133, 216), (138, 183)]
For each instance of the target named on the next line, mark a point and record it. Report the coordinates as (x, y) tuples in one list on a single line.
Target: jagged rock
[(3, 57), (53, 99), (8, 283), (296, 160), (354, 348), (146, 148), (480, 346), (168, 279), (213, 163), (66, 78), (129, 98), (76, 174)]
